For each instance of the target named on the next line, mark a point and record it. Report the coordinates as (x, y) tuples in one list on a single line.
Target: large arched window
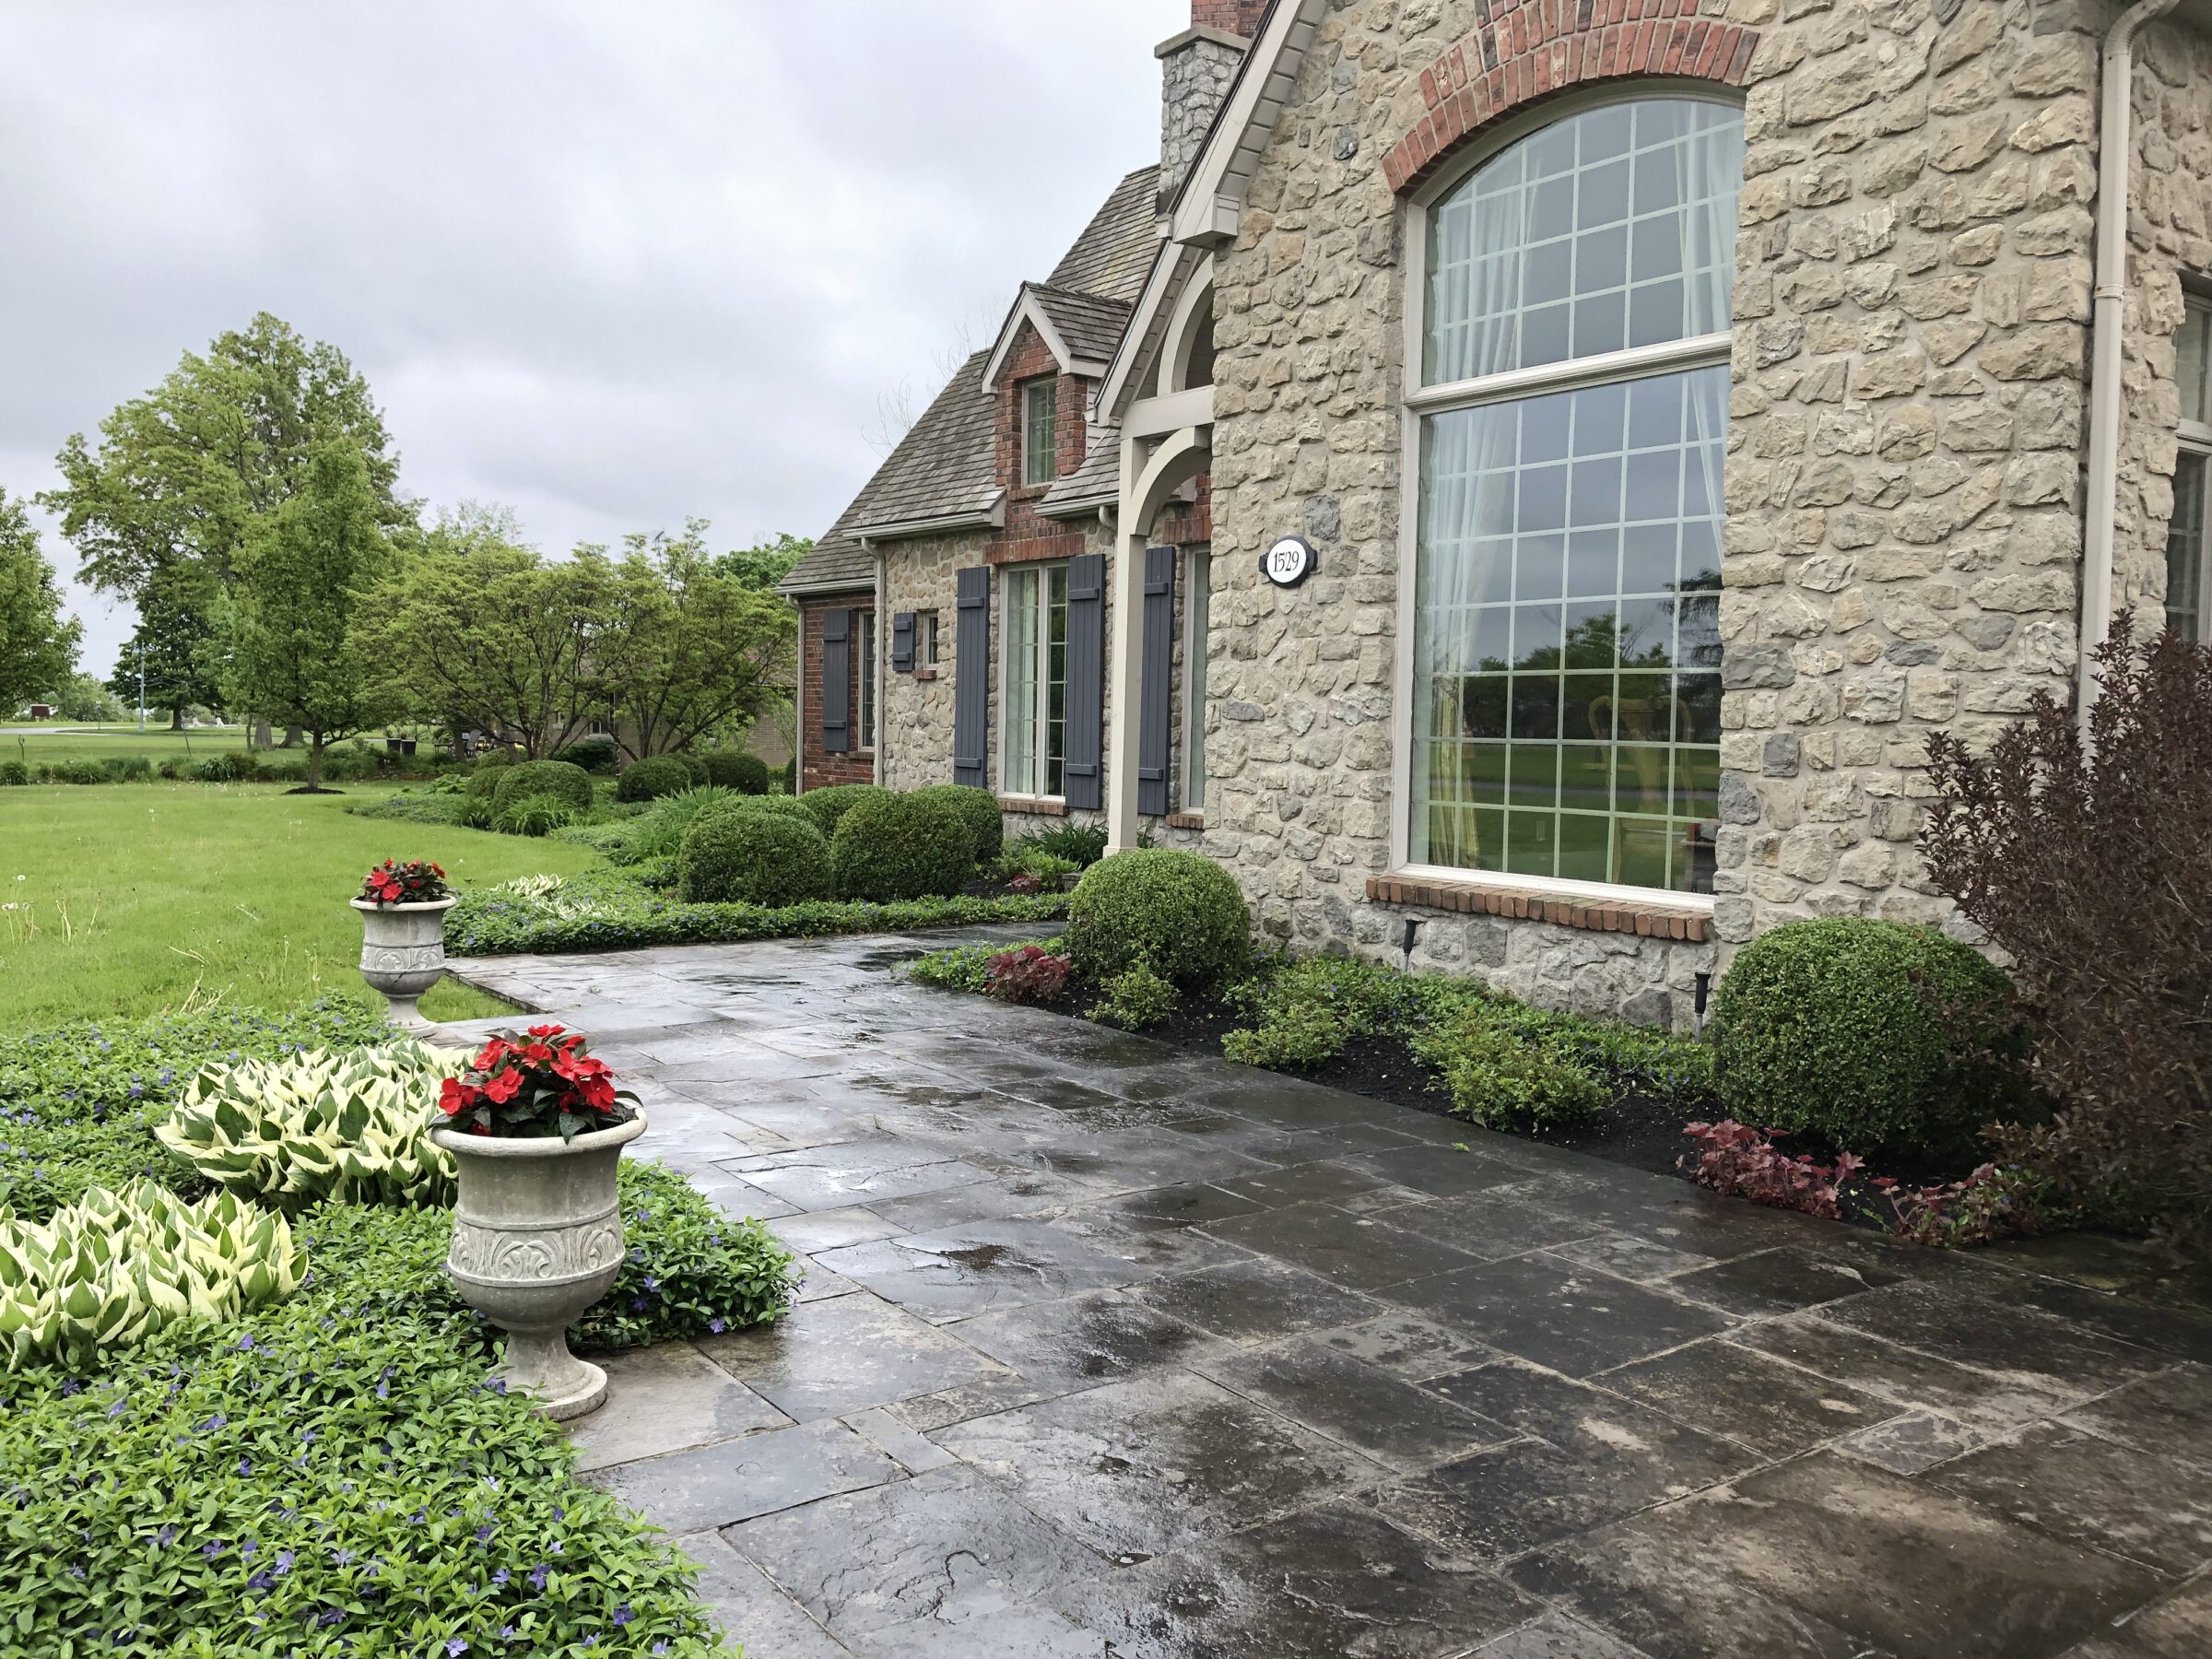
[(1573, 400)]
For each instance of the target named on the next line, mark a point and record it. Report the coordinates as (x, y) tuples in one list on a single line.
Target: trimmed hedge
[(1843, 1028), (829, 806), (785, 807), (733, 769), (483, 781), (650, 779), (594, 754), (730, 856), (1179, 913), (979, 807), (889, 847), (558, 778)]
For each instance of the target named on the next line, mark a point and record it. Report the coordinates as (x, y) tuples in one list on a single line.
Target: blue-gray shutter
[(837, 682), (903, 641), (971, 677), (1087, 682), (1153, 736)]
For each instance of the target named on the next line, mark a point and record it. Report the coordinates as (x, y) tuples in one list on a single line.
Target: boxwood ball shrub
[(889, 847), (486, 778), (829, 806), (650, 779), (594, 754), (558, 778), (734, 855), (1862, 1034), (789, 806), (1181, 914), (730, 769), (979, 808)]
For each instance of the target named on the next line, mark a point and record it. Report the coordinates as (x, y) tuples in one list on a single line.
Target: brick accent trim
[(1036, 805), (1186, 820), (1531, 49), (1490, 898)]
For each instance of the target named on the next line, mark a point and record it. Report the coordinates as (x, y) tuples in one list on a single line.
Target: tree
[(81, 698), (38, 641), (305, 565), (768, 562), (477, 632), (176, 643), (182, 473), (690, 648)]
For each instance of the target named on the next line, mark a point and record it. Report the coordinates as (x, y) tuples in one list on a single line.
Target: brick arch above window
[(1532, 50)]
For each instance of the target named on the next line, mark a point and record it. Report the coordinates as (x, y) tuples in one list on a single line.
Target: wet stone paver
[(1106, 1349)]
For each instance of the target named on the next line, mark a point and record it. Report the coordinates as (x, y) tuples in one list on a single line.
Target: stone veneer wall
[(1902, 478)]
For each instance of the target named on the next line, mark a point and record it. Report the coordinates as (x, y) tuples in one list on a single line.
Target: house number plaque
[(1289, 562)]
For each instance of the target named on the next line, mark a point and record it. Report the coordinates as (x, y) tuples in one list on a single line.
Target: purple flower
[(166, 1536), (245, 1465), (501, 1576), (717, 1326), (264, 1580), (456, 1647), (484, 1532), (539, 1575), (284, 1560), (623, 1615)]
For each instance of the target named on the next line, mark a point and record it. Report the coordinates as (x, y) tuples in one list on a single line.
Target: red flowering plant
[(537, 1085), (417, 881)]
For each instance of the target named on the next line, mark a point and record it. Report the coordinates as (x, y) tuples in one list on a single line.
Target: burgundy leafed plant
[(1994, 1202), (1027, 974), (1744, 1163), (417, 881), (537, 1085), (2090, 866)]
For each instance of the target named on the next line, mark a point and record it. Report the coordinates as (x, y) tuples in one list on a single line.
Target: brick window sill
[(1186, 820), (1647, 919), (1040, 806), (925, 674)]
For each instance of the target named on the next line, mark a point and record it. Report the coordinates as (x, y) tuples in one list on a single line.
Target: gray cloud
[(613, 265)]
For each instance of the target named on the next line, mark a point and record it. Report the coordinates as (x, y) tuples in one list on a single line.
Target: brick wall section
[(1028, 534), (817, 770), (1238, 17), (1530, 49)]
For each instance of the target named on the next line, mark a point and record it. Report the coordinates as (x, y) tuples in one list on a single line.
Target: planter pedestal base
[(539, 1364), (405, 1013)]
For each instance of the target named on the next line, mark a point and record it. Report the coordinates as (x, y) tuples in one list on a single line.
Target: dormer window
[(1039, 431)]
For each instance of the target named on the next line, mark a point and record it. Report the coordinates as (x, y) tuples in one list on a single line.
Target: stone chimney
[(1196, 69)]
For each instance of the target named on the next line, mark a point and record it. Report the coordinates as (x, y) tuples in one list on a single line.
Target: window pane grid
[(1039, 440), (1020, 681), (2185, 548)]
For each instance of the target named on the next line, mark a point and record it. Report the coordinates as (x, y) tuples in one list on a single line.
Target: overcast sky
[(610, 264)]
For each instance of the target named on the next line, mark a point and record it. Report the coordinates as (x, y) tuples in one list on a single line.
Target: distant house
[(1526, 477)]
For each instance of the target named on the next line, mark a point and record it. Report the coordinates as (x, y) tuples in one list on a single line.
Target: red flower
[(455, 1096), (502, 1086), (550, 1031)]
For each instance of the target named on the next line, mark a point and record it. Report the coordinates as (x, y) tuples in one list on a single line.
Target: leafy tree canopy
[(765, 565), (37, 640), (177, 644)]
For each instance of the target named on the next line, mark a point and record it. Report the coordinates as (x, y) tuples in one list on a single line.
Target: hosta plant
[(320, 1127), (112, 1268)]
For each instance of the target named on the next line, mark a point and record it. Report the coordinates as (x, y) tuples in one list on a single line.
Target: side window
[(1039, 431), (2185, 545)]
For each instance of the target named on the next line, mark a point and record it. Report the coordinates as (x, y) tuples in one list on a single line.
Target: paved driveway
[(1108, 1349)]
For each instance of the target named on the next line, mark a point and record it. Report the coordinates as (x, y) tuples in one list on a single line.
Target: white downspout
[(2114, 163)]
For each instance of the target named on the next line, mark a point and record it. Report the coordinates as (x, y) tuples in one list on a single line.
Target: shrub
[(316, 1126), (2030, 840), (1997, 1201), (1081, 845), (1137, 999), (475, 812), (1508, 1068), (485, 780), (829, 806), (535, 815), (1862, 1034), (650, 779), (1176, 910), (594, 754), (962, 967), (889, 847), (1743, 1162), (1027, 974), (112, 1268), (658, 832), (979, 810), (734, 768), (1305, 1013), (570, 784), (788, 807), (14, 774), (732, 855)]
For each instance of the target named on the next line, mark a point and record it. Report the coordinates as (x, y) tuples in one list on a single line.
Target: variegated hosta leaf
[(315, 1127)]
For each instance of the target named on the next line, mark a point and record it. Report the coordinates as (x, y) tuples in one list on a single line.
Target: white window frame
[(1419, 401), (2195, 437), (1196, 630), (926, 639), (1030, 478), (864, 662), (1041, 713)]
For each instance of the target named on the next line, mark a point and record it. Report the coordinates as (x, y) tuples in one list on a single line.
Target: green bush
[(1137, 999), (1514, 1068), (567, 783), (979, 808), (650, 779), (535, 815), (889, 847), (1304, 1013), (829, 806), (594, 754), (1182, 913), (485, 780), (1082, 845), (734, 768), (658, 832), (476, 813), (14, 774), (1865, 1035), (962, 967), (733, 855), (789, 806)]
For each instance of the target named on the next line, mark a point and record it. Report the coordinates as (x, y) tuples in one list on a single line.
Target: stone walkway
[(1108, 1349)]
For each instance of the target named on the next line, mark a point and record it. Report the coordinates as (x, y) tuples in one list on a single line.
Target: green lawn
[(126, 899), (27, 743)]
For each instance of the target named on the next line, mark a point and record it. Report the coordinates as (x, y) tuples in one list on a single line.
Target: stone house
[(1599, 441)]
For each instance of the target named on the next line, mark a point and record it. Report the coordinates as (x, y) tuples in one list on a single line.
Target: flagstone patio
[(1107, 1349)]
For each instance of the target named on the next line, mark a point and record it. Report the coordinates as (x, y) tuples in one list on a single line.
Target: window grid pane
[(1198, 598), (1019, 707), (1052, 713), (1567, 649), (1608, 229), (2185, 548), (865, 660), (2191, 348), (1040, 447)]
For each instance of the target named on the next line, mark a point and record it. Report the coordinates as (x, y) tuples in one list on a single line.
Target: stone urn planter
[(538, 1239), (403, 953)]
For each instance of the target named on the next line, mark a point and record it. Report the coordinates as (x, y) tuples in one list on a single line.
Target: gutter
[(2115, 145)]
